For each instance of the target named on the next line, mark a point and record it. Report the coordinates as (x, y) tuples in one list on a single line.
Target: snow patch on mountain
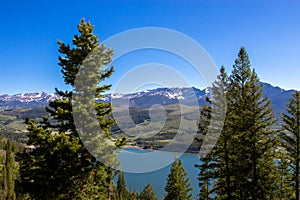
[(27, 99), (166, 96)]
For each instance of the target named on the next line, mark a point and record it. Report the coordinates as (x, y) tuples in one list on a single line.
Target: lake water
[(142, 167)]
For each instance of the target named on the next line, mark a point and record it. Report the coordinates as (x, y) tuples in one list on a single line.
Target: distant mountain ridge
[(164, 96), (26, 100), (278, 96)]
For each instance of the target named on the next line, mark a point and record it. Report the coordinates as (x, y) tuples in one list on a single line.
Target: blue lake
[(142, 167)]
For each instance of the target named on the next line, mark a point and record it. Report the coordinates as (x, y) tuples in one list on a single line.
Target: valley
[(178, 114)]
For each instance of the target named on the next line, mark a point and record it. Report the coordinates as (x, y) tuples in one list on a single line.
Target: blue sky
[(270, 31)]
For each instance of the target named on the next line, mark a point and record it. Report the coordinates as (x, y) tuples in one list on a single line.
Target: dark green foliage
[(284, 181), (291, 137), (205, 191), (60, 166), (250, 119), (206, 176), (178, 183), (122, 192), (242, 162), (96, 184), (210, 167), (21, 113), (8, 171), (147, 193), (134, 195), (139, 115)]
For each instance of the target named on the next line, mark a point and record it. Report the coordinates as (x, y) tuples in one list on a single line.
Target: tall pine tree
[(249, 120), (242, 162), (122, 192), (291, 137), (60, 165), (217, 159)]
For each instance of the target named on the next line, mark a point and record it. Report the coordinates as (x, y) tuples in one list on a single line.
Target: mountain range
[(145, 99), (36, 99)]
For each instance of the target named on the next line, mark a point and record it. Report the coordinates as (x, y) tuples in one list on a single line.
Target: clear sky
[(269, 30)]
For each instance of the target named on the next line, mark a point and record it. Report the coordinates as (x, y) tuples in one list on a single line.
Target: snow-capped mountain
[(27, 99), (163, 96)]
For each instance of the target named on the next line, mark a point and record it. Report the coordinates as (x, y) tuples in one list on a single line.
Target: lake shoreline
[(132, 147), (157, 149)]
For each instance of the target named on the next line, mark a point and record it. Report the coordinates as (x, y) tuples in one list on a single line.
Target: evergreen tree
[(249, 119), (206, 176), (134, 195), (291, 137), (10, 171), (284, 187), (178, 184), (60, 165), (242, 161), (215, 123), (122, 191), (8, 174), (3, 189), (147, 193), (96, 184), (205, 191)]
